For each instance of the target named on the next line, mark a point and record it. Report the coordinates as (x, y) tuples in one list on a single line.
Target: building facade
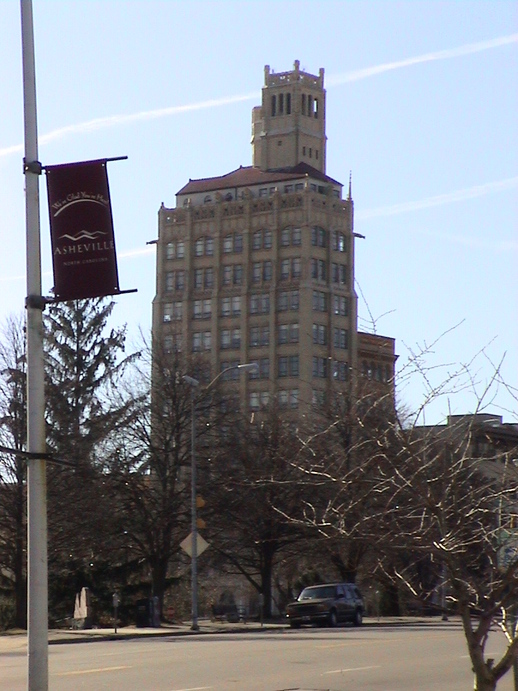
[(257, 265)]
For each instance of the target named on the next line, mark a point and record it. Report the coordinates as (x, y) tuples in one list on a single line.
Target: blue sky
[(422, 107)]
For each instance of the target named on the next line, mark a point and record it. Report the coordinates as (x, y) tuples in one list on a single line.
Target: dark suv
[(327, 604)]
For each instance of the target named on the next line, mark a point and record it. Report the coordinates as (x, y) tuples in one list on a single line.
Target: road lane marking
[(351, 669), (195, 688), (91, 671)]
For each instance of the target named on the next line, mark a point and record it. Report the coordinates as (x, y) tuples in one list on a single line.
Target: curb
[(65, 637)]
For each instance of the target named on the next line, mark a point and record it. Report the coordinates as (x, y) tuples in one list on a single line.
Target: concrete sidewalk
[(18, 638)]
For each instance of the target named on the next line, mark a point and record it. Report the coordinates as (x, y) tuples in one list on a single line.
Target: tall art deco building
[(257, 265)]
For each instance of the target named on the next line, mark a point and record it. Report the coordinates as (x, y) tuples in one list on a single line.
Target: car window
[(317, 592)]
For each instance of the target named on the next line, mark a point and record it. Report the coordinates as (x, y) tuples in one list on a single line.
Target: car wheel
[(294, 625), (358, 618), (332, 620)]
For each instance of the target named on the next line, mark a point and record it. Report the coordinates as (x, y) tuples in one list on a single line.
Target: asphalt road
[(420, 657)]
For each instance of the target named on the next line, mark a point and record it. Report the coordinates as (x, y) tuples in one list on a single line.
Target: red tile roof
[(248, 175)]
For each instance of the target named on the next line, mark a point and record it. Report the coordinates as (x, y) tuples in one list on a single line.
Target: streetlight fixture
[(194, 384)]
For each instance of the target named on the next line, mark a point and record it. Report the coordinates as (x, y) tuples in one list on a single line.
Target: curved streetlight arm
[(248, 366)]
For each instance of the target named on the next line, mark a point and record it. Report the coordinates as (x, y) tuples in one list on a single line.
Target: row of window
[(203, 278), (378, 372), (287, 300), (281, 104), (268, 191), (289, 333), (204, 246), (175, 249), (319, 271), (201, 341), (310, 152), (299, 186), (278, 104), (261, 239), (287, 366), (174, 280), (259, 336), (262, 272), (286, 398), (340, 336), (340, 303), (231, 339), (259, 303)]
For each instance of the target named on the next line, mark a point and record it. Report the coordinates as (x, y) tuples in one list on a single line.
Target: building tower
[(257, 265), (290, 125)]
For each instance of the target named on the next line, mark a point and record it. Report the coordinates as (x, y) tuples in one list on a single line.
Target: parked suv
[(327, 604)]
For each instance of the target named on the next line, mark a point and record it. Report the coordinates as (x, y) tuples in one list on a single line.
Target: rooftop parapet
[(296, 75)]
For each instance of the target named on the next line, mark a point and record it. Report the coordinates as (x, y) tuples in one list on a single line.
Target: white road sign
[(201, 544)]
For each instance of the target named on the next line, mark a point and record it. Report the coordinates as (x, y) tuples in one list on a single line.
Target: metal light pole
[(37, 644), (194, 383)]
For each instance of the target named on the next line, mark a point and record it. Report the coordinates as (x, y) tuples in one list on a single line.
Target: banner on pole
[(81, 228)]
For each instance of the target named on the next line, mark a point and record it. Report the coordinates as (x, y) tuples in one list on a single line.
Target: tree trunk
[(266, 580), (20, 579), (389, 601), (482, 683), (158, 579), (20, 587)]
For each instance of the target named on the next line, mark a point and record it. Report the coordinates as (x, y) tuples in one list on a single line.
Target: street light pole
[(37, 607), (194, 384)]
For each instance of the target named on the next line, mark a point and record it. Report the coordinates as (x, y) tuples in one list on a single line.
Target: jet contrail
[(114, 120), (447, 54), (337, 80), (129, 254), (439, 200)]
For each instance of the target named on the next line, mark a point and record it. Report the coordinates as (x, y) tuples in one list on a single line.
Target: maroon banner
[(81, 228)]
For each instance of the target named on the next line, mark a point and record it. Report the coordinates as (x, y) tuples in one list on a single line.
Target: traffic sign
[(201, 544)]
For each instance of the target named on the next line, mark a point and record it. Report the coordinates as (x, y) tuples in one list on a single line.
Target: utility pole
[(37, 642), (194, 384)]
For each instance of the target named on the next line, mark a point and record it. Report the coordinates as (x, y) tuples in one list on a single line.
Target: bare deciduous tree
[(13, 541)]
